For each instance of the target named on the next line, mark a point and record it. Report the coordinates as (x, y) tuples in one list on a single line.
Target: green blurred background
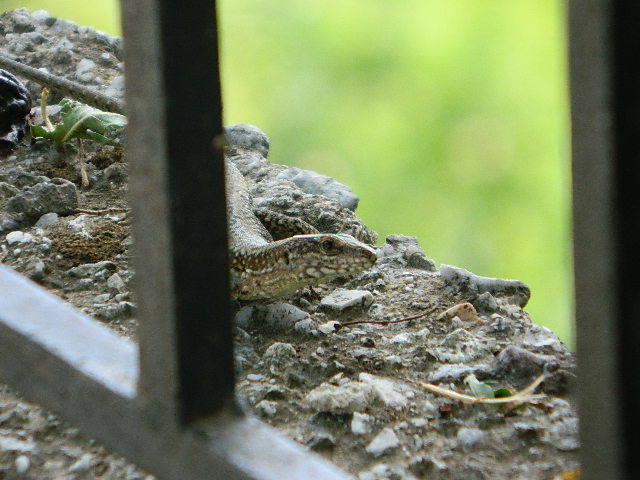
[(448, 118)]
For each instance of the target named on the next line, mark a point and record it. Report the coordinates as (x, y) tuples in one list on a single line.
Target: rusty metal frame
[(168, 404)]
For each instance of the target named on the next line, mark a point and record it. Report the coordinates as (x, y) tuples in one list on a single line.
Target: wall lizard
[(259, 266)]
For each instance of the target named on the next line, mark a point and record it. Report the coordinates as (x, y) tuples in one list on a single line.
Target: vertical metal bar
[(626, 195), (604, 38), (174, 109)]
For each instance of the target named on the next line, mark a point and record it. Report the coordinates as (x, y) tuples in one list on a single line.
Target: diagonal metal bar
[(79, 368), (177, 193)]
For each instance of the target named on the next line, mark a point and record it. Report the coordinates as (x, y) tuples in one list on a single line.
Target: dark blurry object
[(15, 105)]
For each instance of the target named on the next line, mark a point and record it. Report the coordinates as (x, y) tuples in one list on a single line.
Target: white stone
[(384, 442), (18, 237), (22, 464), (361, 423), (386, 391), (115, 282), (329, 327), (50, 218), (341, 299), (352, 397)]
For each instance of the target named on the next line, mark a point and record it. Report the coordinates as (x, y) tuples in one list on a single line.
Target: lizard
[(260, 268)]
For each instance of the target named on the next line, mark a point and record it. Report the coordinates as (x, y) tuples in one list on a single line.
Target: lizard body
[(259, 266)]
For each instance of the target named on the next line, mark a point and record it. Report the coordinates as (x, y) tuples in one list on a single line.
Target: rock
[(304, 326), (117, 173), (247, 136), (21, 179), (35, 270), (343, 302), (85, 70), (8, 224), (318, 184), (348, 398), (321, 442), (57, 195), (7, 191), (83, 464), (116, 87), (361, 423), (451, 373), (403, 251), (381, 471), (470, 438), (329, 327), (393, 361), (22, 464), (521, 365), (14, 444), (287, 198), (279, 356), (102, 298), (387, 392), (40, 16), (94, 270), (265, 408), (17, 236), (457, 339), (48, 219), (515, 291), (279, 316), (486, 303), (111, 312), (542, 338), (115, 282), (385, 442)]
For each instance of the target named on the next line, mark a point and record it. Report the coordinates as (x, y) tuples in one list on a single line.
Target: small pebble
[(361, 423), (384, 442), (47, 219), (22, 464), (18, 237)]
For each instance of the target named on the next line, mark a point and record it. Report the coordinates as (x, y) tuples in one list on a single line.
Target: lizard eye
[(328, 245)]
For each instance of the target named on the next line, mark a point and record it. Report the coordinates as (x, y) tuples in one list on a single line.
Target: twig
[(524, 395), (103, 211), (83, 166), (43, 109), (387, 322)]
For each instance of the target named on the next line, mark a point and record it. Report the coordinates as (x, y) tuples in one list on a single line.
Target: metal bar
[(83, 350), (80, 369), (177, 194), (626, 197), (606, 131)]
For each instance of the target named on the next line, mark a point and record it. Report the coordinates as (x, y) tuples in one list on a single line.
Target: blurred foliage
[(448, 119)]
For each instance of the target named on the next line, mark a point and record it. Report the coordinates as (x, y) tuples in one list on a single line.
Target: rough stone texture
[(329, 386), (463, 280), (57, 195), (317, 184), (285, 197), (346, 302), (247, 137)]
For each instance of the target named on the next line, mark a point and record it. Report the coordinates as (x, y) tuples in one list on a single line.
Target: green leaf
[(478, 388), (502, 392), (78, 120)]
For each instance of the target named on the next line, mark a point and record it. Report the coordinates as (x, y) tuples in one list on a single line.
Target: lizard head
[(287, 265)]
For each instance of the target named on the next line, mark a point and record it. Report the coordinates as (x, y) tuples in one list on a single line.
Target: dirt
[(353, 393)]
